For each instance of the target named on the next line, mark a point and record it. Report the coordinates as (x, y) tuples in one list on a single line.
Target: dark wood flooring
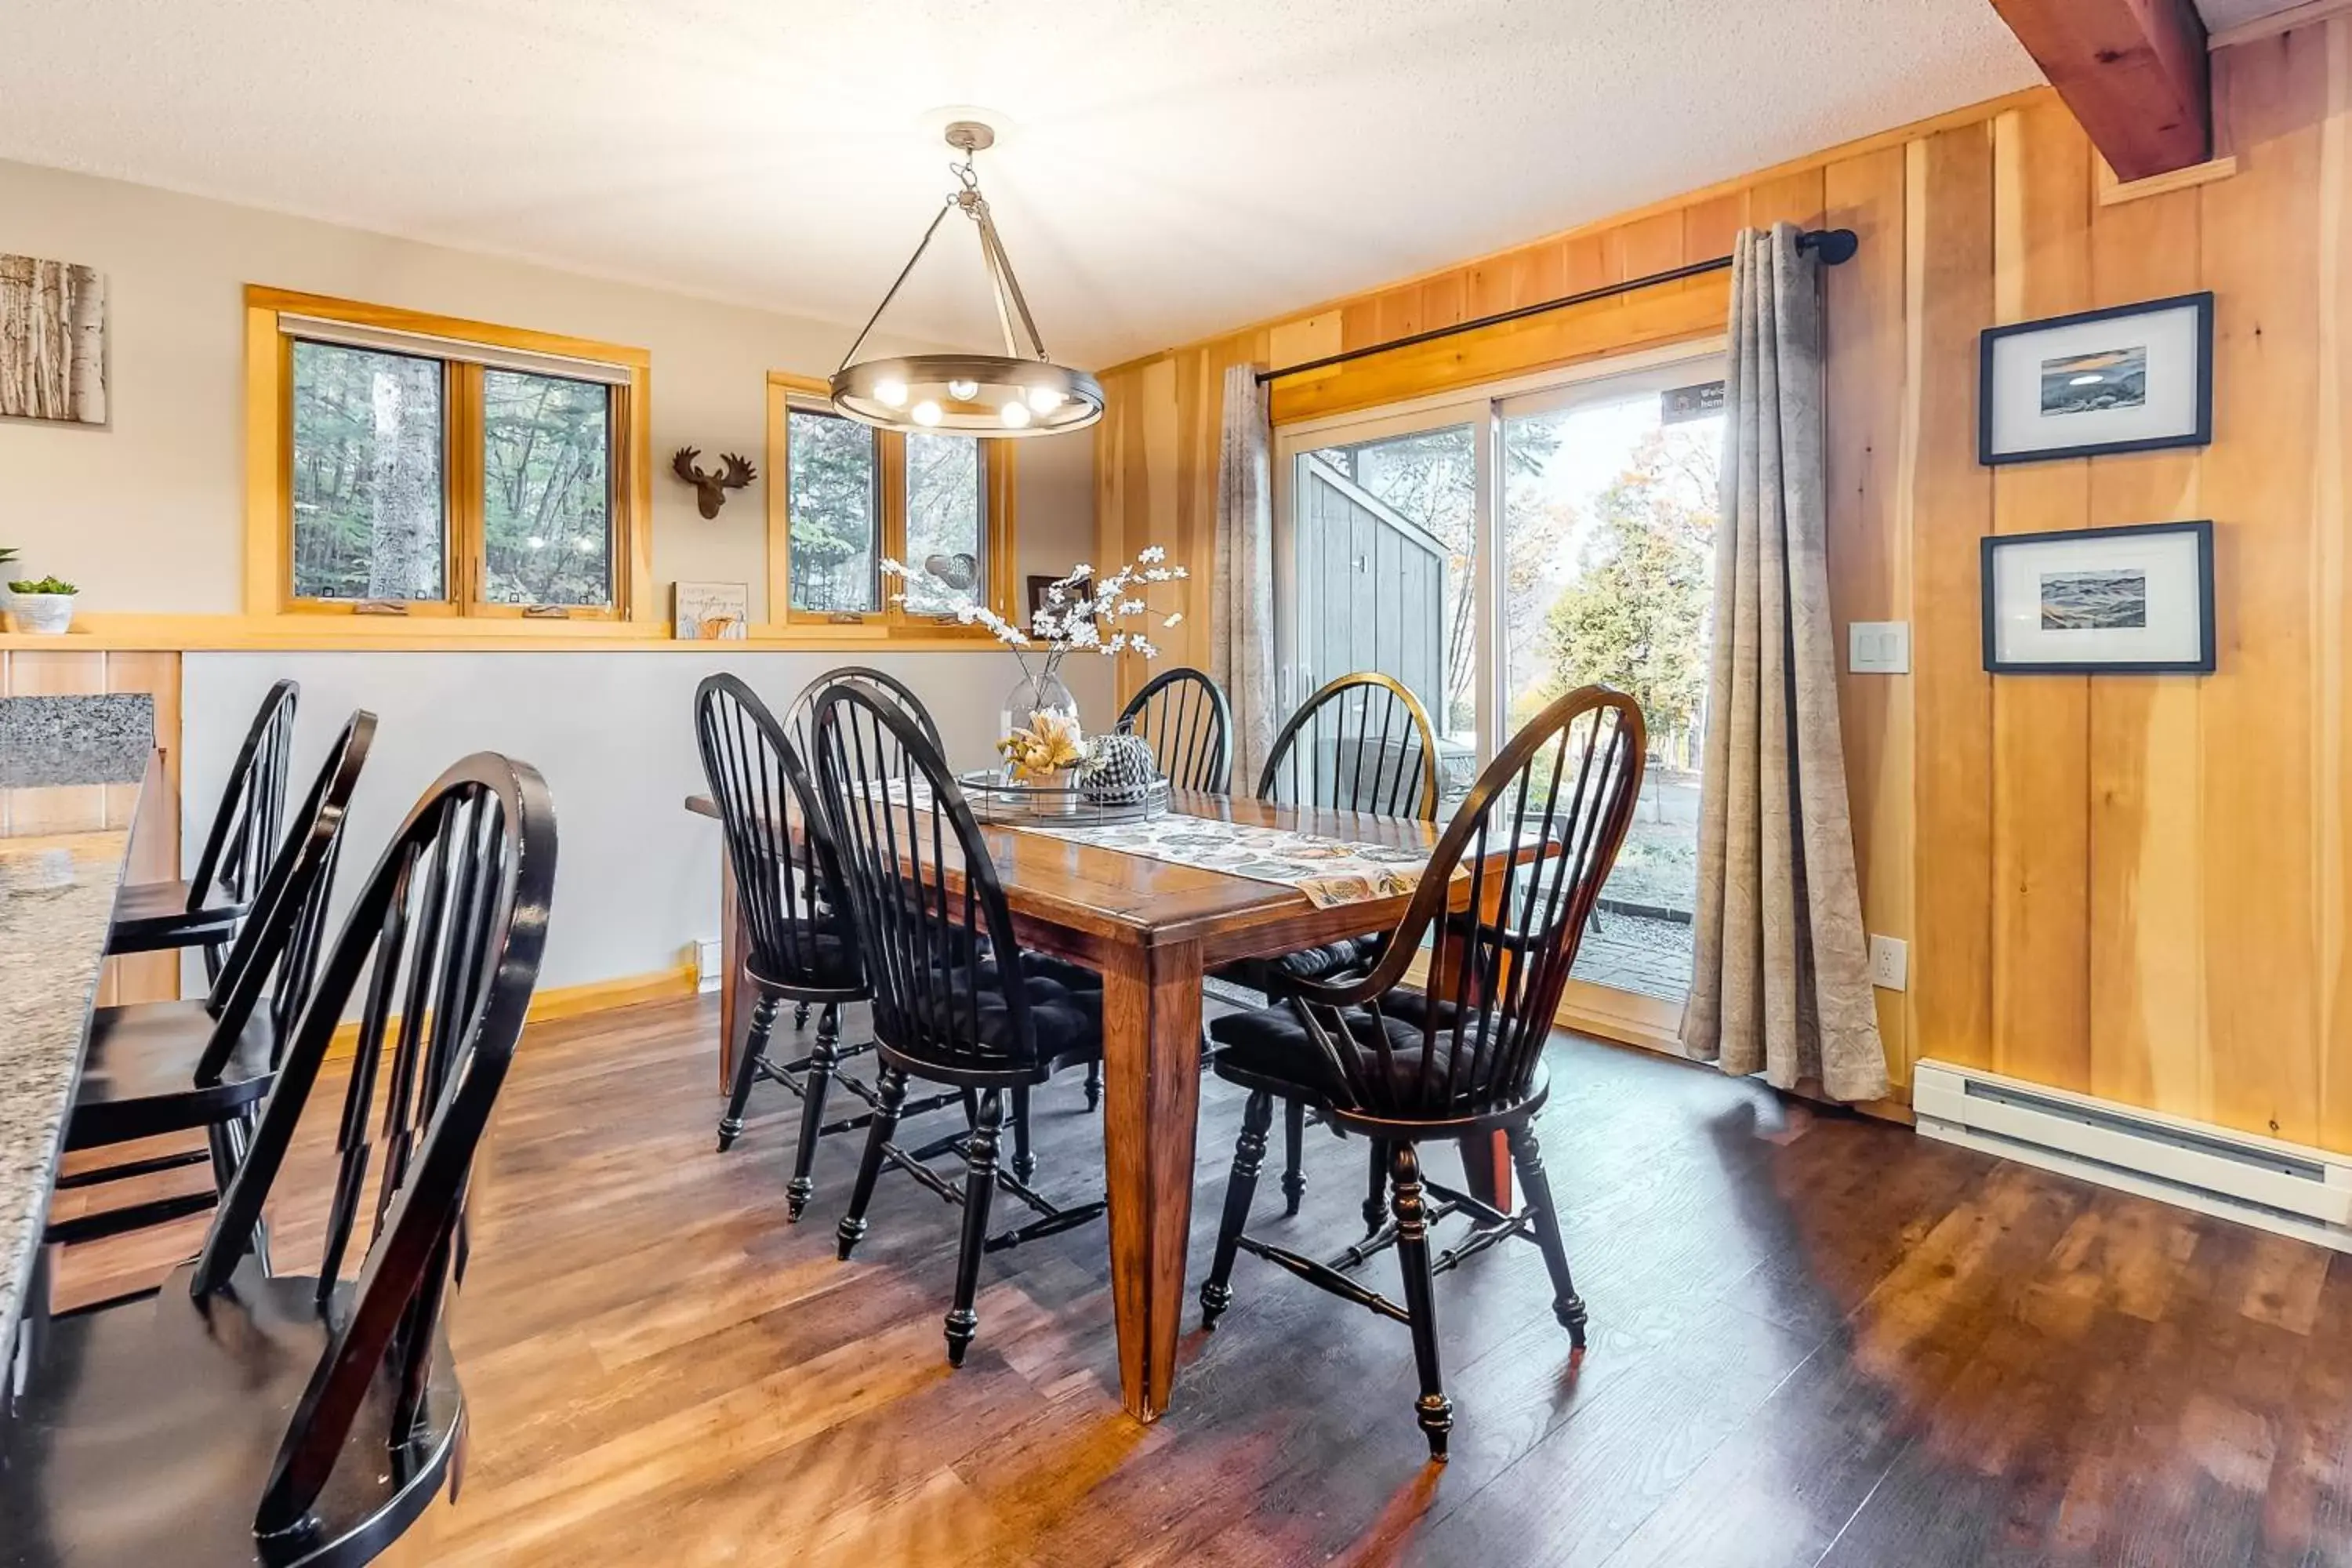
[(1817, 1340)]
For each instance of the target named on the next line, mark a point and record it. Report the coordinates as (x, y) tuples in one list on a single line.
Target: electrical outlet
[(707, 965), (1890, 963), (1878, 647)]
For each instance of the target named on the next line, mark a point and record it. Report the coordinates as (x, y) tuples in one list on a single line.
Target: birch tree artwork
[(52, 341)]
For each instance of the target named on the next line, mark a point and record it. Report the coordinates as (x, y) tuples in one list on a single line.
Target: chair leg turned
[(891, 1093), (823, 1057), (1294, 1134), (1433, 1409), (1526, 1154), (799, 1014), (1249, 1152), (747, 1068), (1094, 1084), (979, 1187), (1376, 1193), (1025, 1163)]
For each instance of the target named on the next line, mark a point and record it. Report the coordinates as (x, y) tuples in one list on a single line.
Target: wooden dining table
[(1154, 930)]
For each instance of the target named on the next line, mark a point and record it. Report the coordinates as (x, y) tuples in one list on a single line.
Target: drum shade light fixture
[(1016, 393)]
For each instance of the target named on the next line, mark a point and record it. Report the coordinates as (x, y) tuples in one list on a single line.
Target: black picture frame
[(2203, 664), (2202, 435), (1040, 586)]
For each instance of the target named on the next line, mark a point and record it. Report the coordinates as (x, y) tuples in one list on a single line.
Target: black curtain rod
[(1833, 245)]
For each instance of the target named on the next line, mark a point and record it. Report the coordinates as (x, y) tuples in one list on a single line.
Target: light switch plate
[(1879, 647), (1890, 963)]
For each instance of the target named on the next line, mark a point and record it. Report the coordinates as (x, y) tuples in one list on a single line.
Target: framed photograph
[(53, 349), (711, 612), (2123, 601), (2131, 379), (1040, 586)]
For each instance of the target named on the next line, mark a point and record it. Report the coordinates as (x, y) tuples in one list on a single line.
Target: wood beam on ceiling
[(2133, 71)]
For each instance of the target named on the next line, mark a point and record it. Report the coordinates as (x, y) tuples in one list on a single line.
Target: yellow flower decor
[(1051, 741)]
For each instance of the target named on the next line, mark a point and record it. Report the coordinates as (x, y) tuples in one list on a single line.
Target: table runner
[(1329, 871)]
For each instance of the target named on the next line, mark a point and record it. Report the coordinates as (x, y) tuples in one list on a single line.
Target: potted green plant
[(39, 604)]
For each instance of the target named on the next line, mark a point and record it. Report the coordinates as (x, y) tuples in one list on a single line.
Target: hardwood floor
[(1817, 1339)]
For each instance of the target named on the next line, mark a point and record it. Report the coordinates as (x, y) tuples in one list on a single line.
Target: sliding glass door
[(1494, 552), (1385, 531)]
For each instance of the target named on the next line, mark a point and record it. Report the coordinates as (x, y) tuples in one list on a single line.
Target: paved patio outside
[(1635, 952)]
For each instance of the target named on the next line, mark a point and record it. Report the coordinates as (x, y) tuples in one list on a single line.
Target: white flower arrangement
[(1079, 612)]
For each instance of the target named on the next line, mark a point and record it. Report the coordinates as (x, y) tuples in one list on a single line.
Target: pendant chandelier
[(1017, 393)]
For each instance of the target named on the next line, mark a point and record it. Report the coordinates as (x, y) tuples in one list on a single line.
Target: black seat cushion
[(815, 955), (1272, 1043), (1061, 971), (1066, 1024), (1270, 976), (148, 1431), (139, 1077), (149, 917)]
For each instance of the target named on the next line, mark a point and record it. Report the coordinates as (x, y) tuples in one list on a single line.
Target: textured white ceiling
[(1165, 169)]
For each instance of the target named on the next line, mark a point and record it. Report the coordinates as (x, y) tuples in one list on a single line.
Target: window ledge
[(101, 632)]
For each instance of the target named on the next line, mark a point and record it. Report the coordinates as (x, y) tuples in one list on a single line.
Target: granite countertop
[(58, 876), (61, 741)]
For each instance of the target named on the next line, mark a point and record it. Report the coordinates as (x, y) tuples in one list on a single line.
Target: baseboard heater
[(2287, 1188)]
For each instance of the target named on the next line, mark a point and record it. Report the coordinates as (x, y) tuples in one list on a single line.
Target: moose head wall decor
[(711, 489)]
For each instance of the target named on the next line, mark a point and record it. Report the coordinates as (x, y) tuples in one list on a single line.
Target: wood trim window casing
[(890, 623), (269, 459)]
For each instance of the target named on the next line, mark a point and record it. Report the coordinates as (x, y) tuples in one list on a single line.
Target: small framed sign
[(711, 612), (2135, 600), (1683, 404), (1041, 590), (2131, 379)]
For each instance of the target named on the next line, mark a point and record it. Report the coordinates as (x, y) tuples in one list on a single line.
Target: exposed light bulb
[(927, 412), (890, 394), (1045, 399), (1014, 414), (964, 391)]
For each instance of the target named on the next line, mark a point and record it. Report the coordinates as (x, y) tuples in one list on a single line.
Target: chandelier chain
[(1028, 393)]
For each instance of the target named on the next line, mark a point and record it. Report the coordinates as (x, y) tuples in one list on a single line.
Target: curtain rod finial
[(1835, 247)]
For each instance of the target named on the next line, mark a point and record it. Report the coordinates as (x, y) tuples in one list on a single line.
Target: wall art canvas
[(2129, 379), (52, 341), (711, 612), (2137, 599)]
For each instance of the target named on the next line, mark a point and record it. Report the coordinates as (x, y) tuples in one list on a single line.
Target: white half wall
[(637, 875)]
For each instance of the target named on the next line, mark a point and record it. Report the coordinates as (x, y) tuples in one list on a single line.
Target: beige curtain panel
[(1241, 616), (1781, 983)]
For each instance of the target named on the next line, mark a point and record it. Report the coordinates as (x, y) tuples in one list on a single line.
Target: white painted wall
[(637, 875), (146, 513)]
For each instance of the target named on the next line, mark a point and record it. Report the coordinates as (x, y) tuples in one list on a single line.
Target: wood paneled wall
[(155, 831), (2140, 888)]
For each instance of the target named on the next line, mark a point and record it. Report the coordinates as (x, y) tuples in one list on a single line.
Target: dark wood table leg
[(1485, 1160), (1151, 1087), (734, 1014), (1486, 1168)]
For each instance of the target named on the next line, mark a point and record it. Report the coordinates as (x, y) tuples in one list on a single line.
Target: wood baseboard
[(571, 1001)]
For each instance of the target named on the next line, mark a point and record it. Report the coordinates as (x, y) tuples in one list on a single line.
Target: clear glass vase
[(1046, 694), (1024, 703)]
